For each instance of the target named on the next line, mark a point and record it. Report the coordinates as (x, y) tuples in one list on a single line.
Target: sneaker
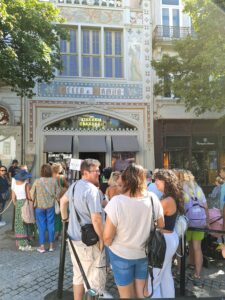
[(41, 250), (21, 248), (197, 281), (51, 250), (29, 248), (2, 223), (26, 248)]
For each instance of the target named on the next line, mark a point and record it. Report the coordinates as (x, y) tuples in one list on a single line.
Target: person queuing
[(63, 185), (222, 195), (13, 181), (127, 229), (83, 196), (4, 192), (114, 187), (13, 169), (151, 186), (214, 196), (192, 191), (172, 202), (21, 192), (106, 172), (44, 192)]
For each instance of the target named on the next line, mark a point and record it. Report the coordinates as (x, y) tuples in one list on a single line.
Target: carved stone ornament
[(135, 116), (4, 116)]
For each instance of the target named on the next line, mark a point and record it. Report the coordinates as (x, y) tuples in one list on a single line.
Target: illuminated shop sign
[(91, 122)]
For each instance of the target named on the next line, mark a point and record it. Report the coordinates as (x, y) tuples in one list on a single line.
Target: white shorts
[(93, 262)]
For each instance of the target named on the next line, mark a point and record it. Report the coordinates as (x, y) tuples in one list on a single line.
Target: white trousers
[(163, 284)]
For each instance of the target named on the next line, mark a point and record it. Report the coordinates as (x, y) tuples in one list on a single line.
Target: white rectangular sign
[(75, 164)]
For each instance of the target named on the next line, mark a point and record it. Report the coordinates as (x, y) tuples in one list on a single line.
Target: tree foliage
[(198, 69), (29, 43)]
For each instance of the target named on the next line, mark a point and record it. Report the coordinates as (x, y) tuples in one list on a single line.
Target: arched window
[(4, 116), (91, 121)]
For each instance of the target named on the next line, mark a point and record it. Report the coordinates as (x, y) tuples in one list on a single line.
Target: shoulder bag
[(88, 235), (27, 210), (155, 248)]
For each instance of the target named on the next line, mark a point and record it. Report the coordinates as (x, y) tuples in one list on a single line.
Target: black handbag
[(88, 235), (155, 248)]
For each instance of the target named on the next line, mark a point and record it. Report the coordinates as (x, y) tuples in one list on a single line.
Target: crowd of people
[(128, 222), (120, 207), (42, 195)]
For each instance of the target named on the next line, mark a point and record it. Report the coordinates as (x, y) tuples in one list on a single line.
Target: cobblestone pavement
[(31, 275)]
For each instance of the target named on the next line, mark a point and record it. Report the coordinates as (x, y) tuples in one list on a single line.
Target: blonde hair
[(219, 180), (56, 168), (113, 178), (24, 167), (185, 176)]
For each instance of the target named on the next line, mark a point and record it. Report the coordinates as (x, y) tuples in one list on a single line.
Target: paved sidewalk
[(31, 275)]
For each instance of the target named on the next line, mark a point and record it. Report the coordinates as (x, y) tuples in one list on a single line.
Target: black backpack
[(155, 248)]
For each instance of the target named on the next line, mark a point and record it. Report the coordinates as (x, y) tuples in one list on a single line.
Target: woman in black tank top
[(172, 203)]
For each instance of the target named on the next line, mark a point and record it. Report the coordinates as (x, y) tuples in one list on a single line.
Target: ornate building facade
[(102, 105)]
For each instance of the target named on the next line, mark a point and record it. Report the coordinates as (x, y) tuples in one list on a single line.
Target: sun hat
[(22, 175)]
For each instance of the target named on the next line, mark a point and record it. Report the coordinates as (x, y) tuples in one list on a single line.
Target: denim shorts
[(125, 271)]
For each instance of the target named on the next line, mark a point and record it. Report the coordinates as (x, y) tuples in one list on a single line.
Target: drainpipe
[(22, 123)]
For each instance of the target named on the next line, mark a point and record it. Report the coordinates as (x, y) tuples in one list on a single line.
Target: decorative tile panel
[(92, 16), (90, 90)]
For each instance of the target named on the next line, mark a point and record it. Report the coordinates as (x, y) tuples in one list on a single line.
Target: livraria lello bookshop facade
[(102, 104)]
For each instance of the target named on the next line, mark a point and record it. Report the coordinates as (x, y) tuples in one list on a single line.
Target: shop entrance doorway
[(95, 155)]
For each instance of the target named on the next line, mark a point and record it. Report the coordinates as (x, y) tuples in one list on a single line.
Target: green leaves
[(198, 69), (29, 43)]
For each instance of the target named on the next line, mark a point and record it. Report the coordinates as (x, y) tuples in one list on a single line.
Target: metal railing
[(103, 3), (165, 33)]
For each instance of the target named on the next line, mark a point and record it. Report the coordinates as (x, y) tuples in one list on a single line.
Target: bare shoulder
[(169, 204)]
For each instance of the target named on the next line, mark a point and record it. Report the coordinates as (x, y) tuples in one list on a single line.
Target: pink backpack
[(215, 221)]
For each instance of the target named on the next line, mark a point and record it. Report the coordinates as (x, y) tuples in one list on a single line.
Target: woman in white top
[(127, 228), (21, 192)]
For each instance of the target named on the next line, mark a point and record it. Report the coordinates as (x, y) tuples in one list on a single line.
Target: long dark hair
[(172, 187)]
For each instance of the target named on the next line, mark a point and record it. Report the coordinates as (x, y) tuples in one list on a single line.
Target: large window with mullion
[(69, 54), (91, 49), (113, 54)]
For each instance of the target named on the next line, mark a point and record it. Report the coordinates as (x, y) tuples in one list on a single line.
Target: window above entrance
[(90, 121)]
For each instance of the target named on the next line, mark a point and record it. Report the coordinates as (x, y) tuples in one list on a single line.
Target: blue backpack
[(195, 211)]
